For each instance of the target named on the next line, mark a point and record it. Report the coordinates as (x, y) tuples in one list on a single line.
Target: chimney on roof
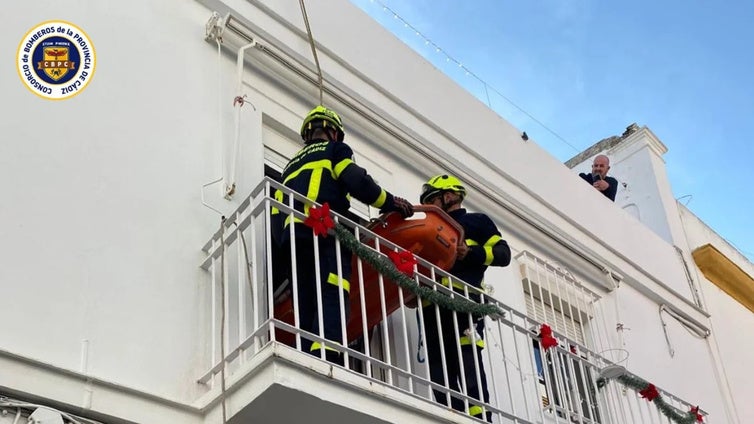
[(630, 130)]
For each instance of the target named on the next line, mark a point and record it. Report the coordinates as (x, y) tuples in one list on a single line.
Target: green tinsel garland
[(636, 383), (386, 267)]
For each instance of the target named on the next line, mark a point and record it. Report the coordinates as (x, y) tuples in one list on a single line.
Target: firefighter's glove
[(403, 207)]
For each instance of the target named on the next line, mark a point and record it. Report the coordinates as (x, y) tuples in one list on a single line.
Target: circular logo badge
[(56, 60)]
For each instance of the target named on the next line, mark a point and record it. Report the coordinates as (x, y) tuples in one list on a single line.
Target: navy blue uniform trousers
[(451, 368), (307, 290)]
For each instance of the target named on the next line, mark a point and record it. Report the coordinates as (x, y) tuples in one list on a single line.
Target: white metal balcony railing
[(527, 384)]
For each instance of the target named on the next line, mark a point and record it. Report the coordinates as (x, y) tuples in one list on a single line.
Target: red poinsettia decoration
[(319, 219), (695, 412), (650, 392), (404, 261), (546, 339)]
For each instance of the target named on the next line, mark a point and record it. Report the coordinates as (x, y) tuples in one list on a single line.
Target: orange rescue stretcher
[(431, 234)]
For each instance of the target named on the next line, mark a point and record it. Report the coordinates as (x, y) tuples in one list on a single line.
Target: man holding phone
[(598, 177)]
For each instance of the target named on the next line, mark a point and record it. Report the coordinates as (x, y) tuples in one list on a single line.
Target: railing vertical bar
[(600, 408), (423, 330), (617, 403), (578, 310), (473, 336), (492, 374), (342, 297), (320, 307), (559, 297), (592, 310), (547, 365), (568, 401), (550, 386), (554, 322), (646, 407), (600, 325), (405, 339), (363, 310), (531, 291), (268, 282), (385, 330), (568, 378), (561, 284), (576, 399), (584, 372), (269, 288), (590, 385), (560, 378), (603, 398), (459, 352), (654, 412), (499, 327), (574, 311), (226, 302), (443, 357), (294, 273), (240, 279), (636, 401), (607, 337), (560, 383), (584, 313), (213, 308), (624, 403), (529, 353)]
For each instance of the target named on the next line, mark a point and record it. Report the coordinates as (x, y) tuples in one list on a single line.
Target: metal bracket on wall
[(214, 28)]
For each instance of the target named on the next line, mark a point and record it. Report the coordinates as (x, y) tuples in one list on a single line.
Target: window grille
[(554, 296)]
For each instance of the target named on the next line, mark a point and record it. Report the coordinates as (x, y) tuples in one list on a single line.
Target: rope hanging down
[(314, 50), (388, 269)]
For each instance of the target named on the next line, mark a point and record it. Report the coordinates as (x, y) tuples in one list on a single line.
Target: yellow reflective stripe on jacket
[(318, 346), (315, 182), (340, 166), (488, 245), (475, 410), (380, 199), (456, 284), (333, 279), (279, 198), (295, 220), (319, 164), (464, 341)]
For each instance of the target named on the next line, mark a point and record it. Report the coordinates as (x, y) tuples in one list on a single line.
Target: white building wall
[(730, 321), (102, 208), (101, 202)]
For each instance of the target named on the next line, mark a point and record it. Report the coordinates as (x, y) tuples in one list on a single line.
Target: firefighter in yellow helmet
[(482, 248), (324, 172)]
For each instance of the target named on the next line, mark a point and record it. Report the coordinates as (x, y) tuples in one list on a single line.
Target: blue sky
[(588, 68)]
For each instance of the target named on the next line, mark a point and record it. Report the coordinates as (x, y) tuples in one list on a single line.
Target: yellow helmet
[(322, 117), (440, 184)]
